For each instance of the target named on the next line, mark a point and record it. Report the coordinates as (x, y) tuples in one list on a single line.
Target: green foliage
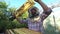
[(25, 15), (49, 28), (16, 24), (3, 5), (3, 18), (5, 13), (12, 10)]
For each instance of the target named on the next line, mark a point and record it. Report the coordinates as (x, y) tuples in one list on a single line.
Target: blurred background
[(51, 24)]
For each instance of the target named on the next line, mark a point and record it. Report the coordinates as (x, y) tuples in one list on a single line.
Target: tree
[(5, 13), (3, 17), (5, 22)]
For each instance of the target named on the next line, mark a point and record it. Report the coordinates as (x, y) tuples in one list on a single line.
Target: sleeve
[(45, 14)]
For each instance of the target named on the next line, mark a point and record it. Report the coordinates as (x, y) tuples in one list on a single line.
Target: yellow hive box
[(24, 8)]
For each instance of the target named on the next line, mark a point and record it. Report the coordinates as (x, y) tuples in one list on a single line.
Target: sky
[(18, 3)]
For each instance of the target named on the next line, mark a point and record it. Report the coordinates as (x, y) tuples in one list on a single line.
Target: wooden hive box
[(22, 31)]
